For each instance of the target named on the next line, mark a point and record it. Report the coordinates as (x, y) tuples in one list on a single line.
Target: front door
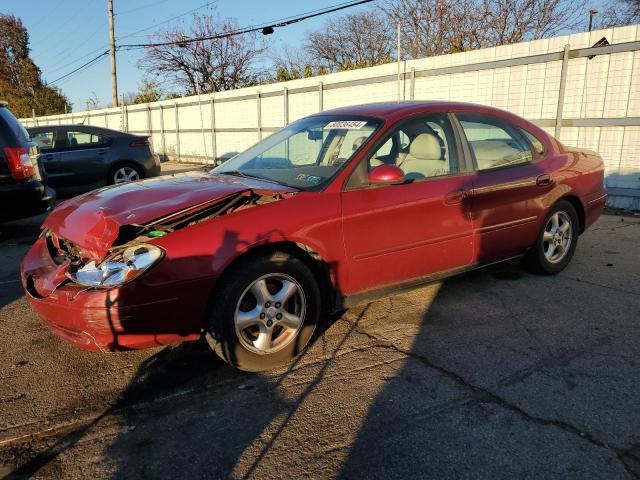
[(397, 233)]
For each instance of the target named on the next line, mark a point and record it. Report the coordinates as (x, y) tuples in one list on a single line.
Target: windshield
[(306, 154)]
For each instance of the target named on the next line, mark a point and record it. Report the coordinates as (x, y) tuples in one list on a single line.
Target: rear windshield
[(14, 125)]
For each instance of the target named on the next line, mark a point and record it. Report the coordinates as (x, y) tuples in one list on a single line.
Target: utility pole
[(399, 59), (112, 54)]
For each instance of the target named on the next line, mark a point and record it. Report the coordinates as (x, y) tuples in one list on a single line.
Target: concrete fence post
[(106, 119), (177, 118), (162, 139), (412, 84), (149, 129), (320, 96), (563, 86), (259, 112), (285, 99), (214, 147)]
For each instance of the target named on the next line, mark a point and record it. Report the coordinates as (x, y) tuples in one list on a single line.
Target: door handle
[(101, 152), (544, 180), (48, 157), (456, 196)]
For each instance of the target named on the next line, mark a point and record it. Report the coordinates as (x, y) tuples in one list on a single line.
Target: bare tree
[(436, 27), (205, 65), (292, 64), (351, 41), (93, 102), (616, 13), (512, 21)]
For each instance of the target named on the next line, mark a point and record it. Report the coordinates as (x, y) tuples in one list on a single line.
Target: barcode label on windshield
[(345, 125)]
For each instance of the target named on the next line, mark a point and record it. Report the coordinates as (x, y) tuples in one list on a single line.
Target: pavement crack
[(595, 284), (484, 395)]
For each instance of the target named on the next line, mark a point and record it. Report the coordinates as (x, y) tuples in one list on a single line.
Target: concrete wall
[(600, 106)]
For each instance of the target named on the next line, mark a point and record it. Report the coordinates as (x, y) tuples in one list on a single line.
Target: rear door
[(398, 233), (508, 187)]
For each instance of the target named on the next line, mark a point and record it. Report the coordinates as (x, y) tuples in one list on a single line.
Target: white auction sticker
[(345, 125)]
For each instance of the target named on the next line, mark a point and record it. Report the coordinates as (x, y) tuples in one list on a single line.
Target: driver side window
[(421, 148)]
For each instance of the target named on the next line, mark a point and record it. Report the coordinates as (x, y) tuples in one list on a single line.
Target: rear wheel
[(556, 242), (264, 313), (124, 173)]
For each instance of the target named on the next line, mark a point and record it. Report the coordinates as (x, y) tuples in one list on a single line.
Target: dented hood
[(92, 221)]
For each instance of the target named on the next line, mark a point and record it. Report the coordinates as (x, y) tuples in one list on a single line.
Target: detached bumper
[(115, 319)]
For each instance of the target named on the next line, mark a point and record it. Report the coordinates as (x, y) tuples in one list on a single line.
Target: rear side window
[(14, 125), (84, 139), (537, 145), (494, 143)]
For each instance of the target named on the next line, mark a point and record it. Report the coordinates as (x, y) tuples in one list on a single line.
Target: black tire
[(220, 330), (112, 171), (536, 260)]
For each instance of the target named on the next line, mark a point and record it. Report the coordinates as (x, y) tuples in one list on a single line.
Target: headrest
[(425, 147), (357, 142)]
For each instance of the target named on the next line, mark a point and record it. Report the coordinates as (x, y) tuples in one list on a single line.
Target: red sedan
[(336, 208)]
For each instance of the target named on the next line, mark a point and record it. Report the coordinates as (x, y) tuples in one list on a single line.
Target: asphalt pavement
[(493, 374)]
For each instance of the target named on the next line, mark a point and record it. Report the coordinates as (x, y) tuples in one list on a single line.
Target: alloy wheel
[(270, 313), (125, 174), (557, 237)]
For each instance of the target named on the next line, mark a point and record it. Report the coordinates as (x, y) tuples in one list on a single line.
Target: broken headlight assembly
[(118, 268)]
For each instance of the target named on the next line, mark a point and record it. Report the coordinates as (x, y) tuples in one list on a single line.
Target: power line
[(63, 63), (275, 24), (71, 62), (255, 28), (88, 64), (204, 5), (141, 7)]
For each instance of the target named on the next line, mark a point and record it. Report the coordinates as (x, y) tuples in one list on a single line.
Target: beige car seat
[(423, 159)]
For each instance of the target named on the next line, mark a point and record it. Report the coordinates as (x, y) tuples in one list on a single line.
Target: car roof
[(82, 128), (393, 110)]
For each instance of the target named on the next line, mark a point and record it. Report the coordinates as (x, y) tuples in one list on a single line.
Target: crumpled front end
[(107, 319), (120, 288)]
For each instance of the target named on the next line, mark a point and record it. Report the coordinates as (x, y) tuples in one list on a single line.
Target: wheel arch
[(311, 258), (579, 207)]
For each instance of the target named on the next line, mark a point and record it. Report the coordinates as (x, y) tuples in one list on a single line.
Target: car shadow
[(184, 413), (15, 240)]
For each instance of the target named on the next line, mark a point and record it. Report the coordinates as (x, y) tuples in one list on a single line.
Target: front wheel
[(556, 242), (264, 313)]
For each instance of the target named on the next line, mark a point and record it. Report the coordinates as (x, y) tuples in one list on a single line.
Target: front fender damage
[(104, 237)]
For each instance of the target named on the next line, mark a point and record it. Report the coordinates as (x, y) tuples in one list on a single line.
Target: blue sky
[(63, 31)]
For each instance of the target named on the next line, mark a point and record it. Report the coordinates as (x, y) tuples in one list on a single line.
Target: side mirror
[(386, 175)]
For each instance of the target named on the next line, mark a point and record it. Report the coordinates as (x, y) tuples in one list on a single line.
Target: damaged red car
[(336, 208)]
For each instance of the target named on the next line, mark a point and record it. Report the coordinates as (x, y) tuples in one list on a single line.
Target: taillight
[(19, 162), (140, 143)]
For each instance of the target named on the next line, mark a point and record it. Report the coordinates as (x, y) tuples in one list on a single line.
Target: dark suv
[(79, 158), (23, 190)]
